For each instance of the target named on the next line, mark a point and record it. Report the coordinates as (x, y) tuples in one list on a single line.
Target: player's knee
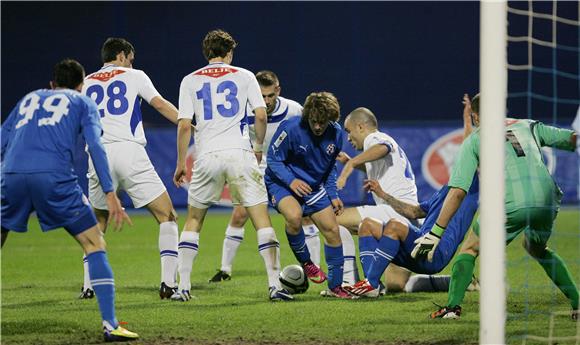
[(366, 227), (392, 229), (294, 220), (239, 217), (537, 251)]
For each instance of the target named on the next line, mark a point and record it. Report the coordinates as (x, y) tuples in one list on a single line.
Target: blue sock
[(298, 245), (387, 249), (367, 246), (104, 285), (335, 262)]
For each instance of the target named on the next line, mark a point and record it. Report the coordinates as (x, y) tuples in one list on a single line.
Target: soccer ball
[(294, 279)]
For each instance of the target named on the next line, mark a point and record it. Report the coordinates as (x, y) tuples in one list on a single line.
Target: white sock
[(269, 248), (232, 241), (168, 236), (86, 277), (427, 283), (350, 272), (312, 242), (188, 244)]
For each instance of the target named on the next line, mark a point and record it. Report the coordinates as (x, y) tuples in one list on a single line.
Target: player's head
[(358, 124), (118, 51), (475, 110), (270, 87), (68, 74), (219, 44), (320, 108)]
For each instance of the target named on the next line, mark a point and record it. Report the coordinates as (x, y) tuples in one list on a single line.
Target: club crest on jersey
[(105, 76), (330, 149), (216, 72)]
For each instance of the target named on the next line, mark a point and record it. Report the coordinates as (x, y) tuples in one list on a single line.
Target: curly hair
[(217, 43), (322, 106)]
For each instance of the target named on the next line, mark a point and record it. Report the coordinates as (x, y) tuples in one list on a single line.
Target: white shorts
[(238, 168), (382, 213), (131, 171)]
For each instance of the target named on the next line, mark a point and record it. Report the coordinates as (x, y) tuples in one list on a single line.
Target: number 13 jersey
[(118, 92), (217, 95)]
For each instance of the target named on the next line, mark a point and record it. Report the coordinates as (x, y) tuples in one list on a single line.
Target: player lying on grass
[(395, 241), (278, 109), (382, 160), (301, 180), (532, 201), (38, 141)]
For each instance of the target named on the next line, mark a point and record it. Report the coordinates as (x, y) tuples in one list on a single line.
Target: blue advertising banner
[(431, 151)]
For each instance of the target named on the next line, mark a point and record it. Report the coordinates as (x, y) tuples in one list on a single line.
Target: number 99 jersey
[(217, 95), (118, 92)]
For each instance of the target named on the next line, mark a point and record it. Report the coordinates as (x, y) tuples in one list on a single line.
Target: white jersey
[(393, 172), (118, 92), (285, 109), (217, 95)]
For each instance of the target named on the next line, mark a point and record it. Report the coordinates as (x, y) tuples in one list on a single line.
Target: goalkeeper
[(532, 201)]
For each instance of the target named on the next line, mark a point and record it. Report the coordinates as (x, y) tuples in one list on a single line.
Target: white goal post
[(493, 90)]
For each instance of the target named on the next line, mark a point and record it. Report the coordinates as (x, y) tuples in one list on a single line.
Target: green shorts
[(535, 222)]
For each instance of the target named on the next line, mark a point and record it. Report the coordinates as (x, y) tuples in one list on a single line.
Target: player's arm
[(343, 157), (408, 211), (467, 124), (563, 139), (7, 128), (375, 152), (165, 108), (260, 123), (185, 117), (330, 187)]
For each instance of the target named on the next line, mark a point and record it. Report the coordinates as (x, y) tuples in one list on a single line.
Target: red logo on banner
[(225, 198), (439, 158), (216, 72), (105, 76)]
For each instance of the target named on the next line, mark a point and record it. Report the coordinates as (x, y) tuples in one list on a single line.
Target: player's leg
[(93, 244), (349, 222), (535, 243), (324, 217), (4, 235), (461, 276), (396, 278), (251, 193), (162, 209), (369, 233), (233, 238), (312, 239)]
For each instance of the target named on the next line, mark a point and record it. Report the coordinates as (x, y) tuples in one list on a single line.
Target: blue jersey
[(40, 134), (296, 153)]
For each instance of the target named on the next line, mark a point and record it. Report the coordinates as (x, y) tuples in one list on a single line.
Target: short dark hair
[(68, 73), (113, 46), (322, 106), (475, 104), (217, 43), (267, 78)]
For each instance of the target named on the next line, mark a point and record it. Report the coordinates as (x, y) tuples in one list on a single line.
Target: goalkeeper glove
[(426, 245)]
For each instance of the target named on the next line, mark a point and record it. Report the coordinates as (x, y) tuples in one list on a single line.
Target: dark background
[(407, 61)]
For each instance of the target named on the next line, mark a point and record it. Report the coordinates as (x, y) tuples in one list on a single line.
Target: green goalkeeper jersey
[(528, 182)]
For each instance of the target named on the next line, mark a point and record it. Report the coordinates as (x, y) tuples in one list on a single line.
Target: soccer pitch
[(42, 276)]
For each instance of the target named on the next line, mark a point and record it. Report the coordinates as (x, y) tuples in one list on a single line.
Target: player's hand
[(426, 245), (179, 176), (466, 107), (373, 186), (258, 156), (338, 206), (117, 214), (343, 157), (300, 187), (344, 174)]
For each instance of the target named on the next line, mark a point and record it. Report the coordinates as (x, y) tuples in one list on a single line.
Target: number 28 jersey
[(216, 95), (118, 92)]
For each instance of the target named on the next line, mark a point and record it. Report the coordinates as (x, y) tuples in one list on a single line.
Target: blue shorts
[(56, 197), (316, 201), (450, 241)]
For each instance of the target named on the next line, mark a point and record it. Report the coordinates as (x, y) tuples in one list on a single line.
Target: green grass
[(42, 275)]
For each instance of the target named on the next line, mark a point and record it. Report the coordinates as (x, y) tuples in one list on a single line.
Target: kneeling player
[(301, 180)]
